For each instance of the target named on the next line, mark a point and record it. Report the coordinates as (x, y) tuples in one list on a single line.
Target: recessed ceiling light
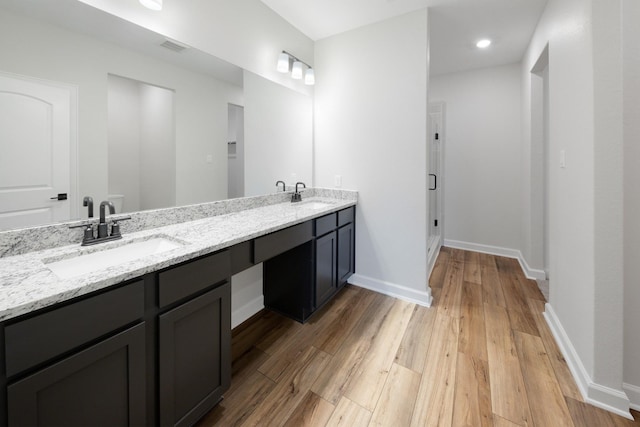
[(484, 43)]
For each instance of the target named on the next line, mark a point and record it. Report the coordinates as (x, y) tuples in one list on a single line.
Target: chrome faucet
[(284, 186), (297, 197)]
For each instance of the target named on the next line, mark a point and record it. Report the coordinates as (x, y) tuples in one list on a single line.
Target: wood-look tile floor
[(481, 356)]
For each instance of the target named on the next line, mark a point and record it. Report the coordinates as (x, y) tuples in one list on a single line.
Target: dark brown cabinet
[(326, 272), (103, 385), (154, 351), (195, 356), (302, 279), (346, 253)]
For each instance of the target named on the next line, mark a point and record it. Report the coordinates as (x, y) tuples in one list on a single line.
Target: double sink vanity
[(138, 331)]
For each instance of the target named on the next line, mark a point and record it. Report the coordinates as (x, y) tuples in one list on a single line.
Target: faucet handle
[(88, 232), (115, 227)]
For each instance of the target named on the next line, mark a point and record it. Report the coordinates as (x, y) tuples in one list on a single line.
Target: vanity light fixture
[(483, 44), (152, 4), (296, 70), (309, 77), (285, 59)]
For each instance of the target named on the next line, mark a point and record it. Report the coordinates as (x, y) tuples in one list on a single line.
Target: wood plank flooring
[(483, 355)]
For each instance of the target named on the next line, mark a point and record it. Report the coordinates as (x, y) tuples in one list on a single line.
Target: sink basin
[(95, 261), (314, 205)]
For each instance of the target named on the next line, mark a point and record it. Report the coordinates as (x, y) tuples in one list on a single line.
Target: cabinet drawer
[(345, 216), (325, 224), (193, 276), (241, 256), (273, 244), (40, 338)]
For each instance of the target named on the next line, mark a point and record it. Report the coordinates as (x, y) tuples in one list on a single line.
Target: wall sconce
[(152, 4), (285, 59)]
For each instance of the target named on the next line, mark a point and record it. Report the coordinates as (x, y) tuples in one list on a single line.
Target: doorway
[(142, 147), (235, 152), (540, 171), (435, 181)]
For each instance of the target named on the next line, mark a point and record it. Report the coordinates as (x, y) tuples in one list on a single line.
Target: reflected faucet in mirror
[(284, 186), (87, 202)]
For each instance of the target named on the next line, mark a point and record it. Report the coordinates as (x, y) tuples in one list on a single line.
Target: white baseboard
[(432, 261), (246, 311), (423, 298), (531, 273), (607, 398), (633, 392)]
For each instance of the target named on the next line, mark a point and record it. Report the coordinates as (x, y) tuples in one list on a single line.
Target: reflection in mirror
[(70, 44), (142, 146)]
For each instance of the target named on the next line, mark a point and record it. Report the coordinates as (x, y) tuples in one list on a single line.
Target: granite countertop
[(26, 284)]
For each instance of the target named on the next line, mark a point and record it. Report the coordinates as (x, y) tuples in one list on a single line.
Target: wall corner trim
[(531, 273), (423, 298), (633, 392), (604, 397)]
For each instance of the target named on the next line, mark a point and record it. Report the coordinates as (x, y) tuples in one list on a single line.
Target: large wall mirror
[(143, 120)]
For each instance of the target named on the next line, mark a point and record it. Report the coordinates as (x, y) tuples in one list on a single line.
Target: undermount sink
[(98, 260), (311, 204)]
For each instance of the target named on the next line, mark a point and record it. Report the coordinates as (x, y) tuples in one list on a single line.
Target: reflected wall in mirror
[(77, 45)]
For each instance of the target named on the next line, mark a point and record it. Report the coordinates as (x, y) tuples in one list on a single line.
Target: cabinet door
[(195, 356), (103, 385), (326, 283), (346, 253)]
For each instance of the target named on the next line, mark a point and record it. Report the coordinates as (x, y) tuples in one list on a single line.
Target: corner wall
[(631, 87), (586, 302), (370, 128)]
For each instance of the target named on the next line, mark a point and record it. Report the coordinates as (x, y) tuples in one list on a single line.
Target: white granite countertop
[(26, 284)]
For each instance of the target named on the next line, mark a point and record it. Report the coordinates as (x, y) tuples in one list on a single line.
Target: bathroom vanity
[(150, 339)]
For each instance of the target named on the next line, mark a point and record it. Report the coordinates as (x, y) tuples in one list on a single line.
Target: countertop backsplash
[(21, 241)]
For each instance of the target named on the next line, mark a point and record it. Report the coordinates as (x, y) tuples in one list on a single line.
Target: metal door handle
[(435, 181), (60, 196)]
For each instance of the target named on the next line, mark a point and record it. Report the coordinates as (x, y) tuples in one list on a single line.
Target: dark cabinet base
[(103, 385), (195, 356)]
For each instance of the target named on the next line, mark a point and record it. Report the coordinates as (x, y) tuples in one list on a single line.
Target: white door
[(436, 121), (37, 151)]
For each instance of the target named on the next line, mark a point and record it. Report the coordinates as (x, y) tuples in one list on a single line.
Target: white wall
[(278, 136), (35, 49), (482, 156), (585, 308), (370, 127), (631, 73), (124, 149), (245, 33), (157, 148)]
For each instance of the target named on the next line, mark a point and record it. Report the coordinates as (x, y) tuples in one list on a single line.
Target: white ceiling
[(454, 25)]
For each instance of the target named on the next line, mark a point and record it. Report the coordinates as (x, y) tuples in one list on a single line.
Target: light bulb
[(152, 4), (484, 43), (309, 77), (296, 70), (283, 63)]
